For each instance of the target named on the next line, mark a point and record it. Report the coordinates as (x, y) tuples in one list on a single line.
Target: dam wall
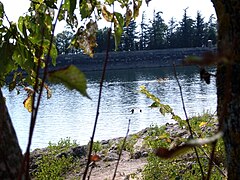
[(130, 59)]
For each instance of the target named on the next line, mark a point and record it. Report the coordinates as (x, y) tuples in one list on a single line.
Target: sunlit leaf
[(202, 124), (181, 149), (176, 118), (49, 92), (106, 14), (71, 77), (136, 6), (128, 16), (109, 2), (28, 103)]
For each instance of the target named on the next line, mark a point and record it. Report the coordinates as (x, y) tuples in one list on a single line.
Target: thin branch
[(187, 120), (98, 105), (120, 154)]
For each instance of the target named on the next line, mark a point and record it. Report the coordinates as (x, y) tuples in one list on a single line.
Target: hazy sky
[(170, 8)]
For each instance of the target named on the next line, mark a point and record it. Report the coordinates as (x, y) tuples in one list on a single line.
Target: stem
[(98, 105), (187, 120), (120, 154)]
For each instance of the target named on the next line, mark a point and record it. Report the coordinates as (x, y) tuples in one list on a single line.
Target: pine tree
[(199, 31)]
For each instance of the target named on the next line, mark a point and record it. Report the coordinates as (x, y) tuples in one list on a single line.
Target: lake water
[(68, 114)]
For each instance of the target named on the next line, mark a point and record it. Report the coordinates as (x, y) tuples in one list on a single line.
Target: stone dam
[(130, 59)]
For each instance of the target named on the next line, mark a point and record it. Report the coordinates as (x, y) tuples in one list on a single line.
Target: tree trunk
[(10, 152), (228, 81)]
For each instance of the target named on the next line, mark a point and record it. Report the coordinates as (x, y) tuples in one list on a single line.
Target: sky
[(170, 8)]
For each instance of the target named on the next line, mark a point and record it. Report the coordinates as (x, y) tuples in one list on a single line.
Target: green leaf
[(71, 77), (118, 28), (53, 54), (176, 118), (1, 13), (162, 111), (51, 4), (154, 105)]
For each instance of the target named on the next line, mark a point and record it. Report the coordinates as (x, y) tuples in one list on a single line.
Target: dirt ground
[(104, 170)]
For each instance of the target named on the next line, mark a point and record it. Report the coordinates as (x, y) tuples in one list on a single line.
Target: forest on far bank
[(151, 34)]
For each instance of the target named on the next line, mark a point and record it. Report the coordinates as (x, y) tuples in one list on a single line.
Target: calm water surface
[(68, 114)]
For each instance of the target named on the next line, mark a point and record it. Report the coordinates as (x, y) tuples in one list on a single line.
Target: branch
[(187, 120), (120, 154), (98, 105)]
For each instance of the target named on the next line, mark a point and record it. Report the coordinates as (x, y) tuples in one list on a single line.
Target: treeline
[(153, 34)]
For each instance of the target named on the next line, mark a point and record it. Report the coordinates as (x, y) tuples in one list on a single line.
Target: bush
[(186, 165), (55, 163)]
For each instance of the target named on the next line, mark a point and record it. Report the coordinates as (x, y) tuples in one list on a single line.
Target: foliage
[(71, 77), (156, 34), (173, 143), (97, 147), (185, 166), (53, 164), (128, 40), (63, 42)]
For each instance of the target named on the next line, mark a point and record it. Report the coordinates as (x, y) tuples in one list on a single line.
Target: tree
[(171, 38), (102, 41), (129, 36), (185, 31), (63, 42), (157, 32), (199, 31), (211, 30), (143, 33), (228, 81)]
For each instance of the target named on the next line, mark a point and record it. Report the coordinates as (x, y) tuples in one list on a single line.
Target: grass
[(184, 166)]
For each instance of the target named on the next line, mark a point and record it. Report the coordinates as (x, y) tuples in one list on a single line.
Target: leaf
[(71, 77), (70, 6), (86, 38), (95, 158), (128, 16), (154, 105), (28, 103), (49, 92), (53, 54), (1, 13), (202, 124), (176, 118), (106, 14), (136, 7), (51, 4), (181, 149)]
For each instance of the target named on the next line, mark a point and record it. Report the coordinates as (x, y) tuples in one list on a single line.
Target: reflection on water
[(68, 114)]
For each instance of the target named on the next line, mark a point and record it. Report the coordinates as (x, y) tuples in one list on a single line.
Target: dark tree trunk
[(10, 152), (228, 80)]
